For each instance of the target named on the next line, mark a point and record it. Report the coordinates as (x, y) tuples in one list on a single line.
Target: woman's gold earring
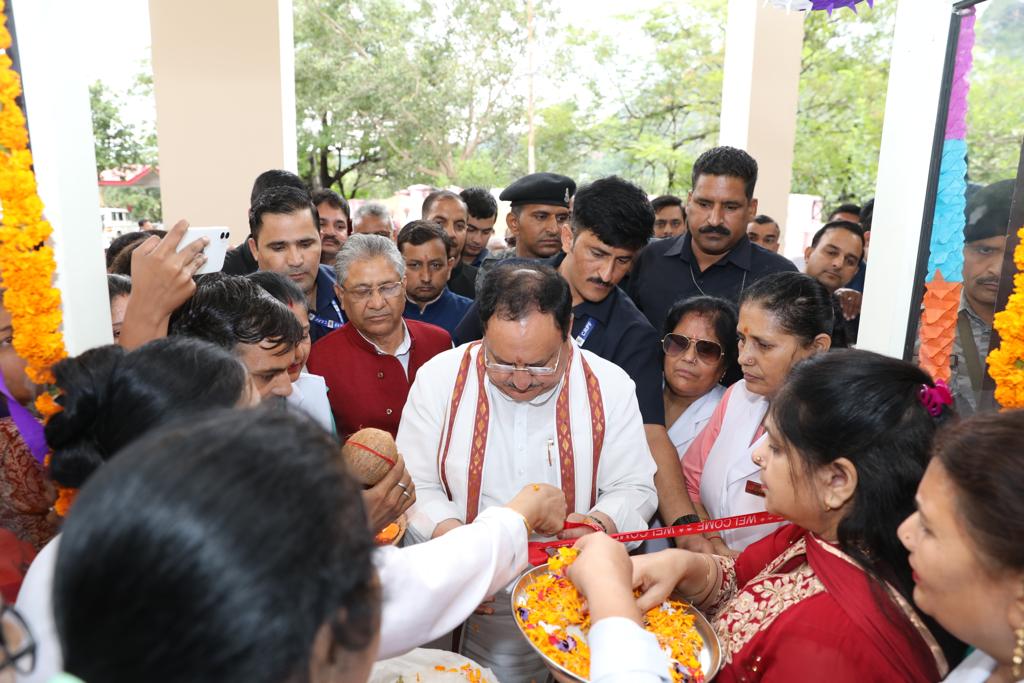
[(1018, 655)]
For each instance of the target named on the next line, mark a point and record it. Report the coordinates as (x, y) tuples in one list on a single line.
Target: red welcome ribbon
[(538, 554)]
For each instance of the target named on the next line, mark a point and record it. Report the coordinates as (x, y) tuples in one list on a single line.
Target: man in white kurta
[(522, 443)]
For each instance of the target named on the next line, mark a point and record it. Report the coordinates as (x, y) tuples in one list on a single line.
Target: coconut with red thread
[(370, 454)]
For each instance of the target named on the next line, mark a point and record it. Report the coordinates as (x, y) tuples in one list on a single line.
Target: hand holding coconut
[(373, 459)]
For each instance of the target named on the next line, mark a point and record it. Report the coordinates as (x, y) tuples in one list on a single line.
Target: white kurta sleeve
[(421, 428), (625, 475), (622, 652), (430, 588)]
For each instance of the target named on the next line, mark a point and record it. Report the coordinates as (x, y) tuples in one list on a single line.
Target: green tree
[(994, 123), (118, 144), (843, 82), (391, 93), (652, 115)]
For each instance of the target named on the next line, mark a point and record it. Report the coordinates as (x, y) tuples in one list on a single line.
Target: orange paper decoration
[(937, 330)]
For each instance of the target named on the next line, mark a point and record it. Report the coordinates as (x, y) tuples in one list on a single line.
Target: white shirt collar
[(403, 348)]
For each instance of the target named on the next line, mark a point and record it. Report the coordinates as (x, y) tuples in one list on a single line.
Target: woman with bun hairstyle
[(826, 597), (110, 397), (966, 543)]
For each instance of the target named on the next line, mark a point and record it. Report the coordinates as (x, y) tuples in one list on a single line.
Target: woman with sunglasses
[(783, 318), (700, 360)]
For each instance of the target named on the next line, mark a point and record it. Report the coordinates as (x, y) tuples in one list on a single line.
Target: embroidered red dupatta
[(802, 610), (893, 627)]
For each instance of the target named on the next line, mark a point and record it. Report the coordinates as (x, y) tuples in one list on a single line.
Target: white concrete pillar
[(911, 109), (760, 93), (60, 123), (224, 80)]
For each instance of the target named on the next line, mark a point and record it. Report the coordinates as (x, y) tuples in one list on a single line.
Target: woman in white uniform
[(966, 543), (783, 318)]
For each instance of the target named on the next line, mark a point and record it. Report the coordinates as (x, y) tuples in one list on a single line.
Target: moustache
[(598, 281), (714, 230), (985, 281), (330, 240)]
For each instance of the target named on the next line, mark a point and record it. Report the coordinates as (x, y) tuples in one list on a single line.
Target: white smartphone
[(215, 251)]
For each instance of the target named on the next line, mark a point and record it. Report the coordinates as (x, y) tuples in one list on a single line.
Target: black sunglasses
[(708, 351), (17, 646)]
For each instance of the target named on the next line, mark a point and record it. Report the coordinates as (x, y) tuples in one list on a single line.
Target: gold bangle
[(708, 585)]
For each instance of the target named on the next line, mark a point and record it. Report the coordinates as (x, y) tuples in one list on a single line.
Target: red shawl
[(815, 617)]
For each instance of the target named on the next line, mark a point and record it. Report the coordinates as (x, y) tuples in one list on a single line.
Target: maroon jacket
[(366, 388)]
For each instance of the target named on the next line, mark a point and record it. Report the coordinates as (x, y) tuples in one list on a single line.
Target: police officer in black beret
[(540, 207)]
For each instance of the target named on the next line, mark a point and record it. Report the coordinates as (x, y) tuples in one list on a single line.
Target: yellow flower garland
[(1006, 363), (26, 261)]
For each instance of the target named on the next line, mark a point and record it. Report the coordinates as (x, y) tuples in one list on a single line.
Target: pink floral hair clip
[(933, 398)]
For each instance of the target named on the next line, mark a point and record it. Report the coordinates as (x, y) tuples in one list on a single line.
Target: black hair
[(855, 228), (331, 198), (226, 545), (121, 241), (278, 286), (229, 310), (763, 219), (616, 211), (143, 221), (118, 285), (479, 202), (275, 178), (845, 208), (659, 203), (722, 315), (513, 290), (420, 232), (801, 305), (126, 241), (988, 497), (110, 397), (988, 211), (727, 161), (864, 407), (867, 214), (280, 200), (437, 195)]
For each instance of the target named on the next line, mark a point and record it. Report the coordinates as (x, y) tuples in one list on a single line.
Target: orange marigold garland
[(1006, 363), (26, 261)]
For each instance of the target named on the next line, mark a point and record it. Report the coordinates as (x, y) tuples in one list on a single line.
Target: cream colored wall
[(760, 93), (224, 79)]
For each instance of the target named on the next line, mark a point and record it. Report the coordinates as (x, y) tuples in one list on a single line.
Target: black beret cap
[(988, 211), (540, 188)]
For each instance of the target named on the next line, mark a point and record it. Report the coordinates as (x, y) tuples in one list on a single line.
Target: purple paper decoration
[(947, 243), (956, 121), (830, 5)]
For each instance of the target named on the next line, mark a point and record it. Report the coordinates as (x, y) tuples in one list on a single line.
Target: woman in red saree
[(826, 598)]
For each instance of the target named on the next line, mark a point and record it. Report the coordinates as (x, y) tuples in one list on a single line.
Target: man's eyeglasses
[(388, 290), (532, 370), (707, 351), (17, 646)]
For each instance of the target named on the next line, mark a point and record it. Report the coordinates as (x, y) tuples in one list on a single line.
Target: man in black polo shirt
[(713, 256), (612, 220)]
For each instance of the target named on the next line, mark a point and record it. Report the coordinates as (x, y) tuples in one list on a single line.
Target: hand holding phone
[(215, 251)]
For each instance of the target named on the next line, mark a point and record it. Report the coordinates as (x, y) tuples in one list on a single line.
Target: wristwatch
[(687, 519)]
